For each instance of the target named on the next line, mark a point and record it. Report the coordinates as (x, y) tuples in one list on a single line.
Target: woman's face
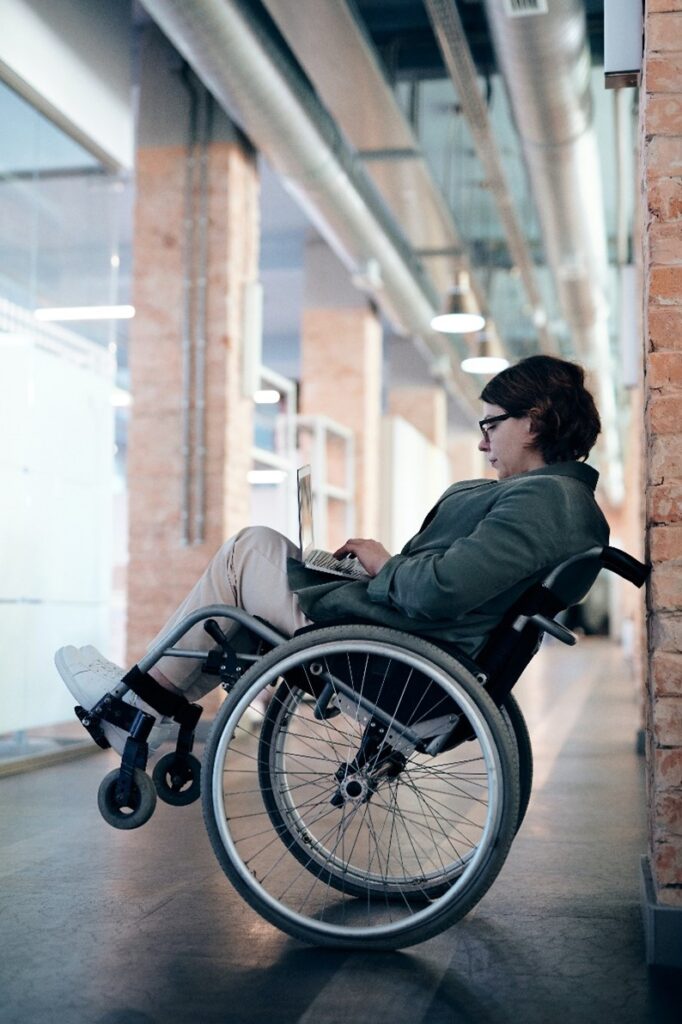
[(509, 444)]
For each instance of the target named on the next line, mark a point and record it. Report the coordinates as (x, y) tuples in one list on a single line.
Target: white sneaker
[(88, 675)]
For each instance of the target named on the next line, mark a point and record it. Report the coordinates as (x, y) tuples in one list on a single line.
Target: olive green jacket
[(480, 547)]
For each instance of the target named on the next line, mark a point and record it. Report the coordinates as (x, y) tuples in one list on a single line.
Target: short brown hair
[(552, 393)]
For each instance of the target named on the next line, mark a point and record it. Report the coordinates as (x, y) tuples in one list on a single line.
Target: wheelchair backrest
[(516, 639), (571, 581)]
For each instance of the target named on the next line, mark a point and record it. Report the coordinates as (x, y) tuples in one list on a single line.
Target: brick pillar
[(162, 568), (341, 378), (661, 148), (425, 408)]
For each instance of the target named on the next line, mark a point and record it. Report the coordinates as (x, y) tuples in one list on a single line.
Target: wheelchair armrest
[(625, 565), (554, 629)]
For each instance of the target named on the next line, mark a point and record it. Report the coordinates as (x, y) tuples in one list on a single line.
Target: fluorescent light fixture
[(67, 313), (266, 396), (484, 364), (265, 476)]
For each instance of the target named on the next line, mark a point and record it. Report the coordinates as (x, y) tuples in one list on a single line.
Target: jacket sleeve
[(527, 529)]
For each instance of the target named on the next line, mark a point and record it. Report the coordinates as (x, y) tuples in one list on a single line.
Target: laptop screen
[(305, 510)]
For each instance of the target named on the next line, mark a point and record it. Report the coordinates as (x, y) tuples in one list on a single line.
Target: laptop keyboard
[(325, 562)]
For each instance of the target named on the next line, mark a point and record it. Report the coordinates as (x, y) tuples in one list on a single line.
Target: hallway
[(106, 927)]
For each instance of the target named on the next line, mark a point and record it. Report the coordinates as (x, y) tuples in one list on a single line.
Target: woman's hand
[(370, 553)]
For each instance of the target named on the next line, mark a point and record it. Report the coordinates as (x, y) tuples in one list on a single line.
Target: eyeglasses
[(490, 420)]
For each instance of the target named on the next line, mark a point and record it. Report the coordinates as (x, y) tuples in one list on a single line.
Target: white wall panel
[(414, 475), (74, 450), (13, 545), (14, 431), (69, 541), (56, 484), (13, 664)]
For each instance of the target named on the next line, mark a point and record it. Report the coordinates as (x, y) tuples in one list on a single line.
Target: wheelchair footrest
[(93, 725), (116, 712)]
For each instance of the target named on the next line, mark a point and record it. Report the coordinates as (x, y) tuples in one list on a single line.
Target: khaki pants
[(249, 572)]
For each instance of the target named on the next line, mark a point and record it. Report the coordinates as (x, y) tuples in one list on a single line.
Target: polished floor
[(107, 927)]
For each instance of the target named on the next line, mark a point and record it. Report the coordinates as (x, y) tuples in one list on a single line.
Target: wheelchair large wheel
[(516, 723), (338, 812)]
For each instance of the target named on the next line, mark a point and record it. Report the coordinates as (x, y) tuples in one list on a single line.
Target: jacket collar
[(576, 470)]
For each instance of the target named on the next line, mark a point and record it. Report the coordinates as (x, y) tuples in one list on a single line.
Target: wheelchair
[(361, 786)]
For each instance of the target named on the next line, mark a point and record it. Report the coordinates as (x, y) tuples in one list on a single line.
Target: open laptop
[(312, 557)]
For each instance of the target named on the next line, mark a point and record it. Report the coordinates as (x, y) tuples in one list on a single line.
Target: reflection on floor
[(106, 927)]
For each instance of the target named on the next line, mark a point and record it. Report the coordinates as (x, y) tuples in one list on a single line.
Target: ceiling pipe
[(545, 61), (257, 85), (451, 38), (349, 78)]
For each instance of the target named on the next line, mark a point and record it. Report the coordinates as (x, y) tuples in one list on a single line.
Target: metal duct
[(449, 31), (194, 284), (545, 61), (279, 112)]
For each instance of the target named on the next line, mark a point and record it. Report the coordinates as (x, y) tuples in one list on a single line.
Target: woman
[(480, 547)]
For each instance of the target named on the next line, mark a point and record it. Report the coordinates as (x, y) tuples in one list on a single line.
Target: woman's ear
[(532, 422)]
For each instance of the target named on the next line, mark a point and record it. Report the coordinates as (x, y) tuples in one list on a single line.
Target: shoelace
[(103, 667)]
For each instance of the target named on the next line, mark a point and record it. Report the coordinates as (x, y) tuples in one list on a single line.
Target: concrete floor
[(106, 927)]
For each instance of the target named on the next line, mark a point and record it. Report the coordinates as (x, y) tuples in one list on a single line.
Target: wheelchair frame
[(371, 799)]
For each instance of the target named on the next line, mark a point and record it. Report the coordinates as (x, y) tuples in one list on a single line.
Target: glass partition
[(65, 241)]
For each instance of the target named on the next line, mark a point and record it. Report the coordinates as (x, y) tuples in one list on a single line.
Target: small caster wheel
[(177, 778), (140, 808)]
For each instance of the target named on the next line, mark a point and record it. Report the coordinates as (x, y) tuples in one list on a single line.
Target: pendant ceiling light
[(485, 365), (457, 319), (481, 362)]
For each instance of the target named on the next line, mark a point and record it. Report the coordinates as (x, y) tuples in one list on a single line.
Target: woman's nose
[(483, 444)]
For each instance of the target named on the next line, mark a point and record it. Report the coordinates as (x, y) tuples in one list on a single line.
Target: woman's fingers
[(370, 553)]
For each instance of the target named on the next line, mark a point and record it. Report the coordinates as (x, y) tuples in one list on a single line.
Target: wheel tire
[(142, 801), (513, 716), (177, 778), (238, 814)]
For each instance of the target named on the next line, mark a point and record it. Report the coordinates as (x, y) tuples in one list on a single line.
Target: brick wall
[(661, 149), (161, 567)]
